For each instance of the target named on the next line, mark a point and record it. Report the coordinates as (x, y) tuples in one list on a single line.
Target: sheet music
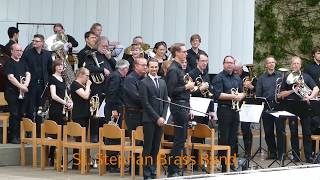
[(199, 104), (101, 109), (282, 113), (251, 113)]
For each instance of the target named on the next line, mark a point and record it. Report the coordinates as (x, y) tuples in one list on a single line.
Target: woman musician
[(60, 103)]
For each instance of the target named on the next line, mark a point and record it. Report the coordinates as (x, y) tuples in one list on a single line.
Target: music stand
[(286, 153)]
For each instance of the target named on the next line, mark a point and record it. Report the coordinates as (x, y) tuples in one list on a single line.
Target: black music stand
[(285, 155), (257, 101)]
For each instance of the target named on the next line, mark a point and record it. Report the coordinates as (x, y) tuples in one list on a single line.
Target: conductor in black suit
[(154, 113)]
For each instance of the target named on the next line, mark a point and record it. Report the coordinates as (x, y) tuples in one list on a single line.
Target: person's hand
[(106, 72), (189, 85), (160, 121), (24, 88), (69, 45), (107, 53), (204, 86), (191, 115), (88, 84)]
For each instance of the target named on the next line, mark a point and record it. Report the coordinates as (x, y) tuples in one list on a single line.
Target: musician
[(228, 116), (131, 94), (299, 106), (136, 53), (91, 40), (13, 34), (266, 87), (72, 43), (143, 47), (245, 126), (96, 28), (195, 41), (60, 102), (39, 62), (154, 114), (114, 90), (16, 69), (160, 49), (179, 92), (313, 69)]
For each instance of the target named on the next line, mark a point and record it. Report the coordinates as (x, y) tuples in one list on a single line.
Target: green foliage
[(284, 28)]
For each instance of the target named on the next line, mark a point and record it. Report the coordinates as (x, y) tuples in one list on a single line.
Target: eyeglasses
[(144, 65)]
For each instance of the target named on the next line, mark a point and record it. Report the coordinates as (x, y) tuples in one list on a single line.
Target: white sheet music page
[(250, 113), (282, 113), (101, 109), (199, 104)]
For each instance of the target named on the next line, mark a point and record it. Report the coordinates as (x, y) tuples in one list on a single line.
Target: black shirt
[(114, 91), (176, 84), (131, 90), (80, 106), (18, 69), (73, 42), (313, 70), (223, 82), (56, 107), (308, 81), (8, 47), (83, 53), (192, 59)]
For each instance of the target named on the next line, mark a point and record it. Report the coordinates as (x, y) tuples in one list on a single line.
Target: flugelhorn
[(65, 107), (235, 104), (205, 92), (21, 93), (94, 105), (187, 79)]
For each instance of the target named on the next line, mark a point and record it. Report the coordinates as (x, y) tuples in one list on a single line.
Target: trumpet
[(187, 79), (205, 92), (94, 105), (21, 93), (235, 104), (114, 118)]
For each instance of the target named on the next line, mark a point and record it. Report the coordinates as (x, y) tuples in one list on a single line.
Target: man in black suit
[(154, 113)]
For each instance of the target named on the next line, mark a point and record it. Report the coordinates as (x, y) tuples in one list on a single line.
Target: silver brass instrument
[(279, 80), (97, 78), (187, 79), (94, 105), (21, 93), (57, 43), (235, 104), (199, 83), (298, 84), (65, 107), (114, 118), (250, 78)]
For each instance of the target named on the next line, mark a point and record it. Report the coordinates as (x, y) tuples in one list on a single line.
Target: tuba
[(298, 85), (21, 93), (250, 78), (235, 104), (94, 105), (199, 83), (97, 78), (279, 81), (187, 79), (57, 43)]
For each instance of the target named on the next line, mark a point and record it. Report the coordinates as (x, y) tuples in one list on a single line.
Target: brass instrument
[(298, 85), (114, 118), (279, 80), (144, 47), (43, 109), (97, 78), (250, 78), (21, 93), (94, 105), (235, 104), (57, 43), (199, 83), (187, 79), (65, 107)]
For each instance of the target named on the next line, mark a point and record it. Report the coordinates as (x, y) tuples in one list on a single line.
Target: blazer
[(153, 108)]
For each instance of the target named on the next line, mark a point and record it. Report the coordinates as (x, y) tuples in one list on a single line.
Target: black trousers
[(268, 124), (180, 118), (301, 109), (16, 107), (247, 137), (152, 137), (133, 120)]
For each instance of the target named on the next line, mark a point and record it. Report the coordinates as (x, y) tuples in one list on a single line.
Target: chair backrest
[(50, 127), (111, 131), (201, 131), (168, 130), (138, 134), (26, 125), (74, 129), (3, 101)]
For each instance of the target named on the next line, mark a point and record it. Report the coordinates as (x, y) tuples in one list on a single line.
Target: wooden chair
[(74, 129), (203, 131), (50, 127), (317, 139), (26, 125), (137, 135), (4, 117), (110, 131)]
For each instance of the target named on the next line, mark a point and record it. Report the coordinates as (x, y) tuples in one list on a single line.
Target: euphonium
[(94, 105), (199, 83), (298, 85), (235, 104), (279, 80), (21, 93), (97, 78), (187, 79), (250, 78)]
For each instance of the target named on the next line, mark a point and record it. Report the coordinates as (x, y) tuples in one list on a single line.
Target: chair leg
[(65, 159), (22, 154), (34, 155), (88, 161), (159, 165), (211, 163), (4, 131), (122, 163), (43, 157), (133, 165), (141, 164), (102, 165), (58, 157), (228, 160), (317, 146), (83, 158)]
